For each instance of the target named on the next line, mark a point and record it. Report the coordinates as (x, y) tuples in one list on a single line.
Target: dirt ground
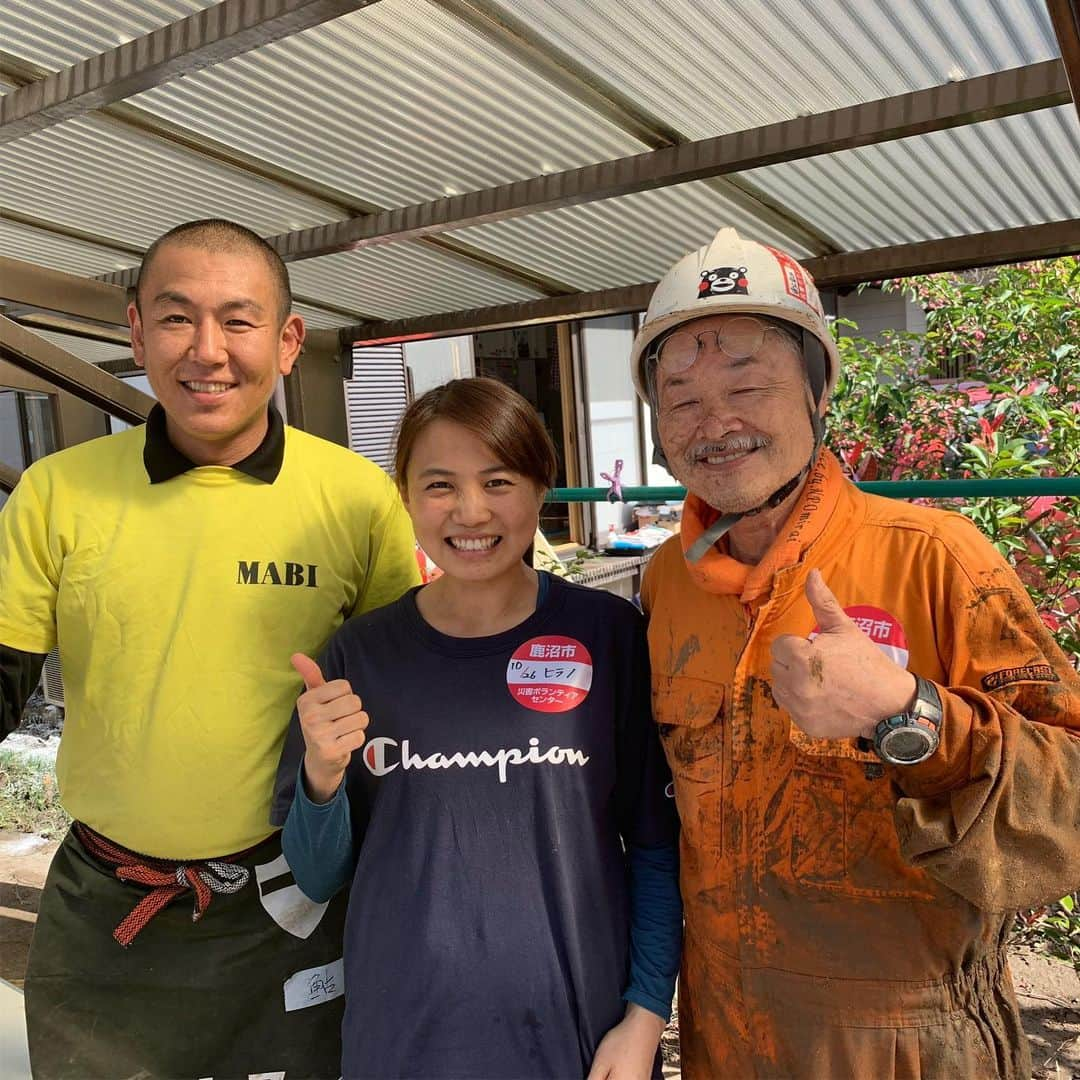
[(1049, 993), (1048, 989), (24, 861)]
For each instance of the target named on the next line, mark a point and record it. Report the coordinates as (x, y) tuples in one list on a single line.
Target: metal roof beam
[(146, 123), (585, 305), (54, 286), (537, 54), (13, 378), (451, 246), (132, 117), (970, 101), (59, 324), (25, 350), (851, 268), (29, 285), (1065, 17), (124, 365), (205, 38), (1024, 243)]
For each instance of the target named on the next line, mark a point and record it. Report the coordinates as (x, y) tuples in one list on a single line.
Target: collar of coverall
[(718, 572), (164, 462)]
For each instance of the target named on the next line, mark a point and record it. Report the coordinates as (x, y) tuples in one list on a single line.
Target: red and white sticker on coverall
[(883, 629), (550, 674)]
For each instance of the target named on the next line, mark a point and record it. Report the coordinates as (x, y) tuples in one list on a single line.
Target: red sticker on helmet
[(794, 277), (550, 674), (883, 629)]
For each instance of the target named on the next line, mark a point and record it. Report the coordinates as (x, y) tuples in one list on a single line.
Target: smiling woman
[(513, 757), (473, 463)]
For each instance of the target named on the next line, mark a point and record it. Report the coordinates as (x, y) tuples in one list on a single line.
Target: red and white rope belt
[(165, 879)]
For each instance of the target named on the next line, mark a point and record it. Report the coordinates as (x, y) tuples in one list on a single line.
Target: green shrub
[(29, 800)]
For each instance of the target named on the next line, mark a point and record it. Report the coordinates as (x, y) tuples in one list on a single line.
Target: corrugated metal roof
[(395, 104), (401, 103), (391, 282), (315, 319), (400, 280), (125, 186), (56, 33), (619, 241), (715, 69), (96, 352), (17, 241), (1020, 170)]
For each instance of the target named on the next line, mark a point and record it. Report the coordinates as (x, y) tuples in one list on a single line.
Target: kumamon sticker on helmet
[(723, 281)]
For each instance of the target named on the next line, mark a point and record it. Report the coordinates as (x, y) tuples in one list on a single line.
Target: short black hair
[(504, 421), (220, 235)]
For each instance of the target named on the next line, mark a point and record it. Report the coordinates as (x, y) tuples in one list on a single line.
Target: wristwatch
[(911, 736)]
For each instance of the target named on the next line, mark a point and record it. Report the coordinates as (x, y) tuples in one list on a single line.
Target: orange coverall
[(843, 918)]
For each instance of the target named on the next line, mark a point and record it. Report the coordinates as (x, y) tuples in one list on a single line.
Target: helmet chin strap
[(720, 527), (813, 352)]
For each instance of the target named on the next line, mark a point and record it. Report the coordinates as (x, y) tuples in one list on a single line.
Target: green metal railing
[(893, 489)]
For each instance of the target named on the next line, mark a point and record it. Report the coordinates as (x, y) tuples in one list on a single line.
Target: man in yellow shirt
[(178, 566)]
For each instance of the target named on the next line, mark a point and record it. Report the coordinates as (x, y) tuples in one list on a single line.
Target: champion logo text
[(383, 755)]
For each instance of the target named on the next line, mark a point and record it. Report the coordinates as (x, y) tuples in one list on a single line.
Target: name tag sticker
[(550, 674), (314, 985)]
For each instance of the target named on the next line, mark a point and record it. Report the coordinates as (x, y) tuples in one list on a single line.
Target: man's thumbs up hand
[(333, 722), (831, 618), (839, 685)]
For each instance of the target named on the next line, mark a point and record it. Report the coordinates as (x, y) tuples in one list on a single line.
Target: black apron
[(254, 987)]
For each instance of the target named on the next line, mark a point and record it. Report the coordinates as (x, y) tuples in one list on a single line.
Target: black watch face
[(906, 744)]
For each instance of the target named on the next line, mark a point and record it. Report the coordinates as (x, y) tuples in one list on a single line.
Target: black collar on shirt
[(163, 461)]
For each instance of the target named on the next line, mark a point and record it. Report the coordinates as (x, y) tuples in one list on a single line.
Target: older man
[(178, 566), (872, 734)]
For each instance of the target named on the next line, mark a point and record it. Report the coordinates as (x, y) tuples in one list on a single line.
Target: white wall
[(11, 450), (656, 476), (433, 363), (875, 311), (611, 412), (140, 382)]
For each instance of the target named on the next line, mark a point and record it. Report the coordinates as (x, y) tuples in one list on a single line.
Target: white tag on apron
[(315, 985)]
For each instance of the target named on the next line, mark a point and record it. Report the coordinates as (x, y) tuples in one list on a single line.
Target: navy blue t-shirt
[(488, 934)]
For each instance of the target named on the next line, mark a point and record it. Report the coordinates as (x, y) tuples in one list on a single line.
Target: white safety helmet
[(736, 276), (733, 275)]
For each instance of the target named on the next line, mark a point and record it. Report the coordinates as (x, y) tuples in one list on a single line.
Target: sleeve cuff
[(948, 767), (314, 807), (647, 1001)]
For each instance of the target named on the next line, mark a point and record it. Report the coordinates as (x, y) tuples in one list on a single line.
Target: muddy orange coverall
[(843, 918)]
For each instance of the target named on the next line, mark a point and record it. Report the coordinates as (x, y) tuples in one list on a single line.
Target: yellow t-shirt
[(176, 606)]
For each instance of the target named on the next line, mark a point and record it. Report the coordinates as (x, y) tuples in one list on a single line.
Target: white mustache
[(736, 444)]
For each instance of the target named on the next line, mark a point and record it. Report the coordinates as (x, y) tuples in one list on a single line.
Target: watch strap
[(925, 712)]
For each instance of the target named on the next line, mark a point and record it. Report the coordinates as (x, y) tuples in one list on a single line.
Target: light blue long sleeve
[(318, 843), (656, 924)]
